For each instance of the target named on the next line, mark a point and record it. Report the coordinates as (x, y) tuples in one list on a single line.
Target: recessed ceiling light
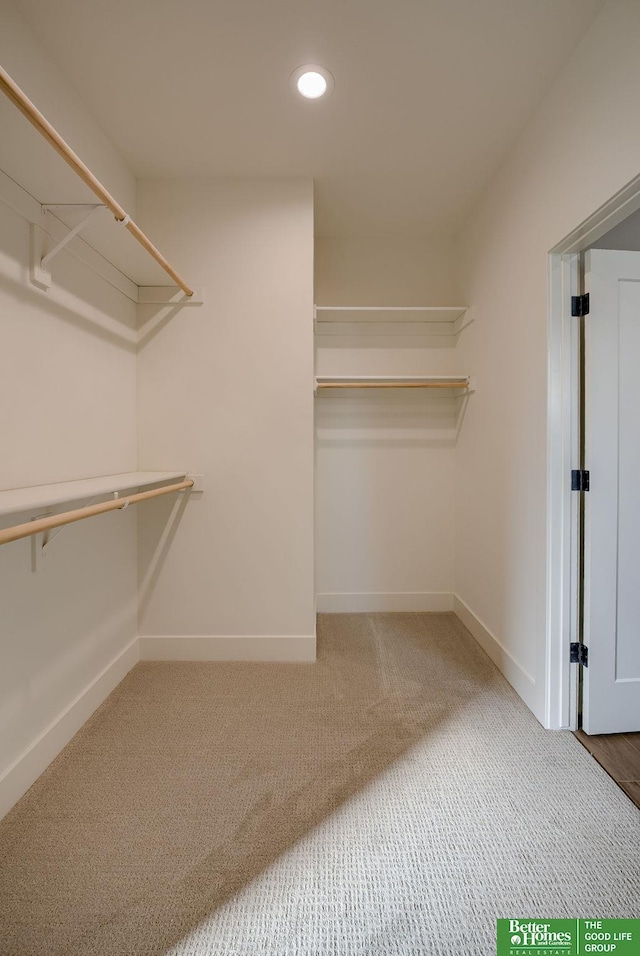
[(312, 81)]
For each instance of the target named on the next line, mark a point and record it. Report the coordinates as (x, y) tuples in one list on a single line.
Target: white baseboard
[(296, 648), (521, 681), (17, 779), (345, 602)]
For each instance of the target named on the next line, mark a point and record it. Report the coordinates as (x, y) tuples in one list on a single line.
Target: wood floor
[(619, 755)]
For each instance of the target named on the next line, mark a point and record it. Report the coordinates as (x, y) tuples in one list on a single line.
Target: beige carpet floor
[(394, 798)]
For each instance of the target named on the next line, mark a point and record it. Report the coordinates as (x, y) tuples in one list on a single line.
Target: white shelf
[(447, 314), (443, 322), (37, 497), (448, 382)]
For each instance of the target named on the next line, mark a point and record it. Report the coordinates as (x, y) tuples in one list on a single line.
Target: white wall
[(384, 460), (580, 148), (24, 153), (227, 390), (383, 271), (67, 394)]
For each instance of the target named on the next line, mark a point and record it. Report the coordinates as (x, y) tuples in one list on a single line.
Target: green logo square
[(537, 937), (568, 937)]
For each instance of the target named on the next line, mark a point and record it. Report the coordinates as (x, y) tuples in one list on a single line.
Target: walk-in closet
[(304, 432)]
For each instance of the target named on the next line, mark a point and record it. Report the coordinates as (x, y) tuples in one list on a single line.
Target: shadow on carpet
[(192, 778)]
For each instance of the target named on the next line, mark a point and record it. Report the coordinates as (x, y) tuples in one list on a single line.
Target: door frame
[(561, 683)]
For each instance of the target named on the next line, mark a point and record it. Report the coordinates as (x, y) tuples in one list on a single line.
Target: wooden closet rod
[(33, 114), (68, 517)]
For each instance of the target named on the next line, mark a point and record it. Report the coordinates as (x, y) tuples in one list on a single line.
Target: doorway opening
[(569, 519)]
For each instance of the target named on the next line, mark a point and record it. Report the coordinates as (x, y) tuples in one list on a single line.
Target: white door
[(611, 681)]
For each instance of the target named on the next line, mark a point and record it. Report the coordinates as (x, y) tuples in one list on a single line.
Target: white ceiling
[(429, 94)]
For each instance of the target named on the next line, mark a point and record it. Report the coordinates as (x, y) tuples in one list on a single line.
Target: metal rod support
[(69, 236), (44, 127)]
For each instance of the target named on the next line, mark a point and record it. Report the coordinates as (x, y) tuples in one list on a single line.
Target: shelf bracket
[(38, 542), (40, 271), (48, 537), (169, 297)]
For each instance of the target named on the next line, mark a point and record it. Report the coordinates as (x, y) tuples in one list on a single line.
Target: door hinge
[(579, 480), (580, 304), (579, 654)]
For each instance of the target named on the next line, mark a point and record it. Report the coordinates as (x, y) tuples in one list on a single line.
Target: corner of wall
[(23, 773)]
